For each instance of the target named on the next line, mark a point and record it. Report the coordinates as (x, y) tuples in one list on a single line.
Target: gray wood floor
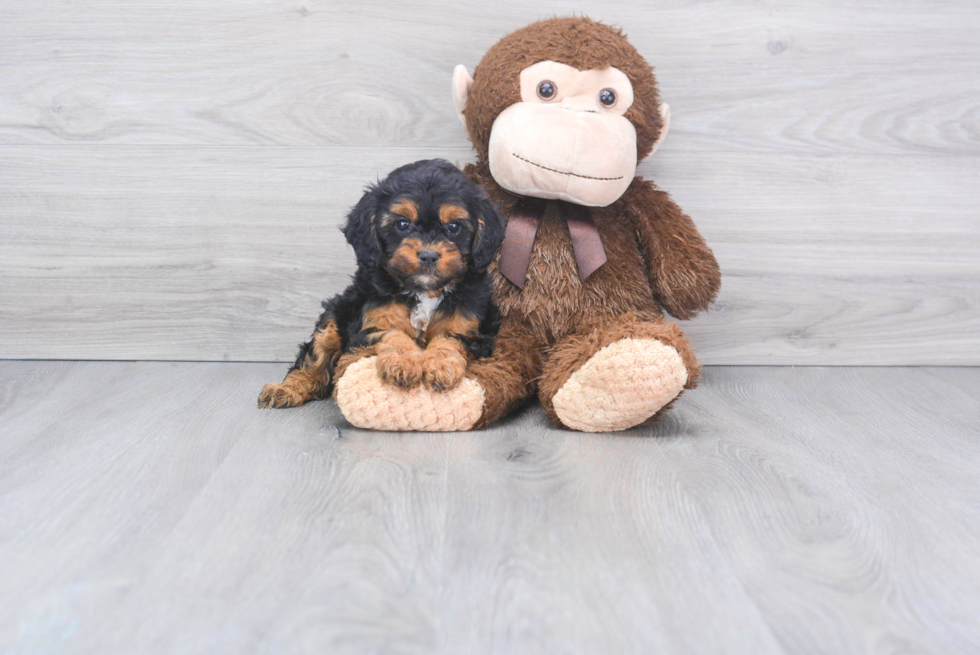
[(150, 507)]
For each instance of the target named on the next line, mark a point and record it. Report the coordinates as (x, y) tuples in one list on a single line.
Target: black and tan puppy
[(420, 299)]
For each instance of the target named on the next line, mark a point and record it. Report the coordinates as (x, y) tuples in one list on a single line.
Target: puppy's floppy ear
[(361, 228), (489, 233)]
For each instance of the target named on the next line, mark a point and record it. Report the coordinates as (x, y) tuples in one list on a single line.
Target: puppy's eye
[(453, 227), (607, 97), (403, 225), (547, 90)]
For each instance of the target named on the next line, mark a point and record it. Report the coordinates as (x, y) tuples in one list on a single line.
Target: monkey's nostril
[(428, 256)]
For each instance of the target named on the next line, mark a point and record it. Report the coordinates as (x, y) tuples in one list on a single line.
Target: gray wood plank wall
[(172, 173)]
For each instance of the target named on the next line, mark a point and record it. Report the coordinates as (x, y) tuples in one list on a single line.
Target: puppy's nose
[(428, 256)]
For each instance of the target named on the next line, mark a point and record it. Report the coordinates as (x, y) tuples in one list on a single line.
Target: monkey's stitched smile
[(587, 177)]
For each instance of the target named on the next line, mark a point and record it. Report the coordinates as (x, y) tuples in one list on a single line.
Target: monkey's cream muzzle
[(557, 152)]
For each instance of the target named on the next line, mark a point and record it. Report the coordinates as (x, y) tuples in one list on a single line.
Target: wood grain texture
[(833, 76), (150, 507), (179, 253), (171, 174)]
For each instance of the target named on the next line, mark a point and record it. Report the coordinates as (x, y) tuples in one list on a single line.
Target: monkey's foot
[(621, 386), (366, 401)]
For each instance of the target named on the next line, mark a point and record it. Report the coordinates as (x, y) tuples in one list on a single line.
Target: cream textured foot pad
[(366, 401), (622, 385)]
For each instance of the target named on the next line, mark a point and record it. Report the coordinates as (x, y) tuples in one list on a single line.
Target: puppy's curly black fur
[(420, 299)]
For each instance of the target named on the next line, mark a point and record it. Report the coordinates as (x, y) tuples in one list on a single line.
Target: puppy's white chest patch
[(423, 310)]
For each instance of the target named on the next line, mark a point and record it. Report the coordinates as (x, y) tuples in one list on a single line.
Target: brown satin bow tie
[(522, 226)]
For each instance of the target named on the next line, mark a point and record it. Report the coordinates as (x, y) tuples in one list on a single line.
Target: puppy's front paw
[(442, 370), (276, 395), (402, 369)]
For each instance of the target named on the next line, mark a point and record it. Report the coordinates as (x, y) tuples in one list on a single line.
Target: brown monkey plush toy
[(559, 113)]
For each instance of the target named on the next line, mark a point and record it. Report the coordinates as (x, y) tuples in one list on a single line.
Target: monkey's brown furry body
[(556, 322), (598, 353)]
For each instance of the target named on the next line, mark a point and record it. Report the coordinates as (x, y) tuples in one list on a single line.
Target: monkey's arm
[(682, 269)]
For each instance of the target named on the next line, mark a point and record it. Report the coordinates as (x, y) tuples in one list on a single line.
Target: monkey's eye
[(547, 90), (607, 97), (403, 225), (453, 227)]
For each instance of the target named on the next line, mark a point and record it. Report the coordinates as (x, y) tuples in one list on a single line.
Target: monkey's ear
[(461, 90), (361, 229), (489, 234), (665, 117)]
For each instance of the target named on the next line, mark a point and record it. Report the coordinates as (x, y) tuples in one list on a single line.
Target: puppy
[(420, 299)]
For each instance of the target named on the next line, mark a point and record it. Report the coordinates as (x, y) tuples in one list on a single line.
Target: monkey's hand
[(683, 271)]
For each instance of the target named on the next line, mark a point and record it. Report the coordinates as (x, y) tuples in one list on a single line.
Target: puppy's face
[(427, 245), (426, 225)]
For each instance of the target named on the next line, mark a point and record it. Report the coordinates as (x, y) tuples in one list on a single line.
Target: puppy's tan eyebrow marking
[(407, 208), (452, 213)]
